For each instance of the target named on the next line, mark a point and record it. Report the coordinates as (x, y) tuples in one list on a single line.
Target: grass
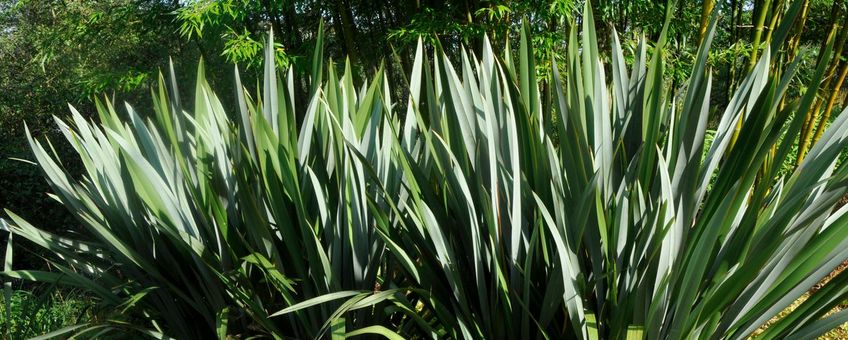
[(33, 313)]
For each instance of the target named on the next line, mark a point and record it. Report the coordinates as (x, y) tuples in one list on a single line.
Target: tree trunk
[(348, 30), (274, 20), (291, 23)]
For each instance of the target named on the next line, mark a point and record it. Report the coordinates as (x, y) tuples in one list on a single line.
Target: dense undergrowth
[(37, 312)]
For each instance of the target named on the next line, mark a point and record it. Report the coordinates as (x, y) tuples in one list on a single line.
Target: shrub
[(484, 211)]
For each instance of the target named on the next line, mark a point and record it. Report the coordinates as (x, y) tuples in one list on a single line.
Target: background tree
[(54, 53)]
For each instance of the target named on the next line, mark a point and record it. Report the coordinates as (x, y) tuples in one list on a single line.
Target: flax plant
[(468, 210)]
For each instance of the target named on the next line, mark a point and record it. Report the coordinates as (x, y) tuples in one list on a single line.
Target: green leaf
[(317, 301), (337, 329), (221, 323), (7, 267), (375, 330)]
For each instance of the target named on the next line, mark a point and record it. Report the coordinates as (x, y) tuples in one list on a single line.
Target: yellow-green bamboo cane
[(758, 33), (830, 101)]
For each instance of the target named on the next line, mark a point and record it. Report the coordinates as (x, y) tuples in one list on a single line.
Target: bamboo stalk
[(806, 130), (828, 109), (775, 17), (796, 35), (758, 33), (810, 126), (706, 12), (805, 137)]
